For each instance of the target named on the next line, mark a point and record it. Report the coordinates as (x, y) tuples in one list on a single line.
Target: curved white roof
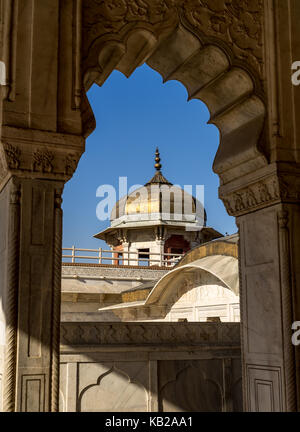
[(225, 268)]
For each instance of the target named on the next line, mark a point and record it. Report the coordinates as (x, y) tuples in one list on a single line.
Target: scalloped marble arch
[(86, 401), (209, 71)]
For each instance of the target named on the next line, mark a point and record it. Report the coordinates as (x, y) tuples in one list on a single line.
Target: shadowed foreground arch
[(235, 56), (209, 71)]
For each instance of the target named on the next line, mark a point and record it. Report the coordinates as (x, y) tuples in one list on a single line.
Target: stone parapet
[(112, 272)]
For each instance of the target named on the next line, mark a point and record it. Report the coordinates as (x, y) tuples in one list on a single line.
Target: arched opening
[(209, 73), (118, 151), (165, 397), (46, 118), (133, 117)]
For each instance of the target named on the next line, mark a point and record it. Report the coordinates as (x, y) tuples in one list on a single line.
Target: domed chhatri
[(159, 200), (157, 218)]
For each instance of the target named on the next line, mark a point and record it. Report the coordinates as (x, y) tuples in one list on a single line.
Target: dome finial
[(157, 165)]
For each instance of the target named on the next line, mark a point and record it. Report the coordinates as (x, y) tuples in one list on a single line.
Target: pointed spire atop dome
[(157, 165), (158, 178)]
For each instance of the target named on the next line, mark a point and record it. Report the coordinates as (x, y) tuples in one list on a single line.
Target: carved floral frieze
[(148, 333), (237, 23), (71, 162), (43, 161), (39, 161), (261, 194), (9, 159), (13, 154)]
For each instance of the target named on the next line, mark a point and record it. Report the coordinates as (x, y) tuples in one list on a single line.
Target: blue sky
[(134, 116)]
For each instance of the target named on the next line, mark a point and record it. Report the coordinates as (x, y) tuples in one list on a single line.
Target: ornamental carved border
[(237, 23), (39, 154), (264, 193), (38, 160), (149, 333)]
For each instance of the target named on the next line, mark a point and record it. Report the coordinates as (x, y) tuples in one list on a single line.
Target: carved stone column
[(32, 307), (43, 119), (268, 216), (30, 261), (35, 167)]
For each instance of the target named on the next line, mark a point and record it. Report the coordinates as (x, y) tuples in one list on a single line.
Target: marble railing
[(116, 257)]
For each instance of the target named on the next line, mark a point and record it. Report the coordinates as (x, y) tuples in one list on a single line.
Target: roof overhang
[(189, 227), (224, 268)]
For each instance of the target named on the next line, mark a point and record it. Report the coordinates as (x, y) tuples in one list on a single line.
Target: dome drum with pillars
[(156, 222)]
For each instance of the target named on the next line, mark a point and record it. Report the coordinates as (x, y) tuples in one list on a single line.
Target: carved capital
[(160, 233), (12, 155), (15, 194), (122, 236), (58, 198), (283, 219), (37, 154), (256, 195), (42, 161)]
